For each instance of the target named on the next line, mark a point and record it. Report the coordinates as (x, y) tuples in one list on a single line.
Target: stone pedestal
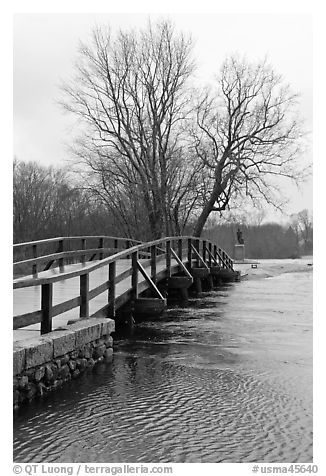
[(239, 252)]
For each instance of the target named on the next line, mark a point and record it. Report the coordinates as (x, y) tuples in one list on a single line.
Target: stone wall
[(42, 364)]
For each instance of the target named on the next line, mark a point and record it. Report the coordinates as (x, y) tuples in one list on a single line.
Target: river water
[(228, 379)]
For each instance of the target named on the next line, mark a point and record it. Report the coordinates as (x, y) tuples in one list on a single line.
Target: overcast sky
[(45, 48)]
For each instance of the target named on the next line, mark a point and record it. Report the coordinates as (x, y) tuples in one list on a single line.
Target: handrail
[(23, 282), (158, 250), (59, 238), (29, 256)]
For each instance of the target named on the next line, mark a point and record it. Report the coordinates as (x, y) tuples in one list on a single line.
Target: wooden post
[(112, 272), (46, 306), (180, 250), (153, 263), (209, 254), (115, 244), (168, 258), (35, 265), (220, 257), (204, 251), (215, 255), (83, 244), (134, 275), (61, 260), (101, 245), (189, 253), (197, 243), (127, 246), (84, 298)]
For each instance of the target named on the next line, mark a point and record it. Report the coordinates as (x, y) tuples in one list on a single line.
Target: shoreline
[(269, 268)]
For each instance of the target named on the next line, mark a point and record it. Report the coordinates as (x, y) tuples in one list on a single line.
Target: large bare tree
[(247, 135), (131, 93)]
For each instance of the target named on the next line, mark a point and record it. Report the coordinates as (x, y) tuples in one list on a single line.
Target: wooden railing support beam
[(35, 256), (111, 289), (101, 246), (153, 263), (189, 253), (168, 258), (134, 275), (83, 245), (84, 295), (46, 306)]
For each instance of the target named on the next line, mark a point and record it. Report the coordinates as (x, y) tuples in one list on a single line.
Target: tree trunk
[(200, 223), (208, 208)]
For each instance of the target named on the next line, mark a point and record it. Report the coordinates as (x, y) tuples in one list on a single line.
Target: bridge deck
[(29, 299)]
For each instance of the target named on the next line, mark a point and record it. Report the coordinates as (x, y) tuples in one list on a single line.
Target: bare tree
[(131, 94), (47, 203), (247, 135), (302, 224), (34, 198)]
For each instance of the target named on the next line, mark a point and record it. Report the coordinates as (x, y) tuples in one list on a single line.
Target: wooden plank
[(27, 319), (149, 281), (182, 266), (17, 246), (200, 259), (65, 306), (48, 265), (123, 275), (212, 257), (64, 254), (101, 312), (98, 290), (218, 252)]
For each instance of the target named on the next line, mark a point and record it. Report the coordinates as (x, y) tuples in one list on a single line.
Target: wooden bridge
[(108, 276)]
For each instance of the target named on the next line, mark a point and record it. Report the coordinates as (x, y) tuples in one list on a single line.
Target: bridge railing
[(152, 261), (36, 256)]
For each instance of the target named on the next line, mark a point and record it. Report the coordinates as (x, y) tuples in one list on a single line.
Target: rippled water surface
[(228, 379)]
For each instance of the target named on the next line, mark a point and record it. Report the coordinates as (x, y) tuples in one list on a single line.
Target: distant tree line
[(48, 202), (269, 240)]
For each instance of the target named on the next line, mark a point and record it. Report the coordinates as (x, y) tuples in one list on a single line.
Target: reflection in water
[(226, 380)]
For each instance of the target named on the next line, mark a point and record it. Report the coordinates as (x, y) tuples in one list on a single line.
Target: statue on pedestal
[(239, 237)]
